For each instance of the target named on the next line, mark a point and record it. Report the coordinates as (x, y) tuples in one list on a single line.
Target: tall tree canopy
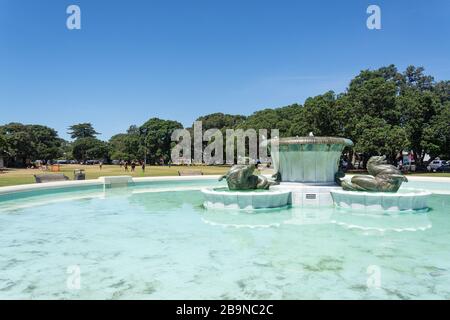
[(156, 138), (127, 146), (82, 130), (29, 142), (220, 121), (89, 148)]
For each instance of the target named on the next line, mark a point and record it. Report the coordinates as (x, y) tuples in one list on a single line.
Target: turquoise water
[(145, 242)]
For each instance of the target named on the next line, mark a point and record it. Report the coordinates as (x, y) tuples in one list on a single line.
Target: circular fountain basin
[(403, 200), (309, 159), (223, 198)]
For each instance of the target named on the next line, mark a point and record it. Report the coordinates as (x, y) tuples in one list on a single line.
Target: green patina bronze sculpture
[(241, 177), (382, 177)]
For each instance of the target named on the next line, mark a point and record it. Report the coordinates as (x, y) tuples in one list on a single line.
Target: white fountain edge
[(210, 190), (98, 181), (414, 192), (92, 182)]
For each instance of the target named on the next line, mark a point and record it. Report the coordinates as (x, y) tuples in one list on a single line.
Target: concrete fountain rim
[(212, 190), (312, 140), (407, 192)]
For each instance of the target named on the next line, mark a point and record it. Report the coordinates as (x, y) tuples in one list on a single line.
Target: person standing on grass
[(126, 166), (100, 164), (143, 166), (133, 166)]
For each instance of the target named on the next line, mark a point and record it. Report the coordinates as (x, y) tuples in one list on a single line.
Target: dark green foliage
[(82, 130)]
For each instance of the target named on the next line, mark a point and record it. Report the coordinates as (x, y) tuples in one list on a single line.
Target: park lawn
[(25, 176)]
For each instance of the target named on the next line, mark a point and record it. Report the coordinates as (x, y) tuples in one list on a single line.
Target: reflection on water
[(305, 215), (245, 219), (301, 216)]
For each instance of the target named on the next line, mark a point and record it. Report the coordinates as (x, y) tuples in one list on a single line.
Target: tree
[(377, 137), (89, 148), (82, 130), (18, 141), (279, 118), (320, 116), (3, 145), (118, 147), (436, 137), (405, 102), (417, 108), (442, 89), (46, 143), (415, 78), (24, 143), (156, 138), (127, 146), (220, 121)]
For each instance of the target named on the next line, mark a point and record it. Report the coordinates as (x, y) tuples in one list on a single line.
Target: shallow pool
[(146, 242)]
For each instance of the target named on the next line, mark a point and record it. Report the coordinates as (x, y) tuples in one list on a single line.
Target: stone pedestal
[(222, 198), (404, 200)]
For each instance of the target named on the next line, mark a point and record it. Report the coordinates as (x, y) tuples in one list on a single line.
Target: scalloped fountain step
[(222, 198), (403, 200)]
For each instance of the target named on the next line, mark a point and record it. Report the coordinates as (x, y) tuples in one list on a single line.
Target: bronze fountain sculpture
[(382, 177), (245, 190), (241, 177)]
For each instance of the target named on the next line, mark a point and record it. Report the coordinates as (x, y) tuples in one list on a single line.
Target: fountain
[(307, 174), (312, 160), (307, 167), (379, 190), (245, 191)]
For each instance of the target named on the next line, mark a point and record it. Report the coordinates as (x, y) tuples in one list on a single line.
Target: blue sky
[(176, 59)]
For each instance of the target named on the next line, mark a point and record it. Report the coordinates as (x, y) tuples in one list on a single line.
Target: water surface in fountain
[(156, 241)]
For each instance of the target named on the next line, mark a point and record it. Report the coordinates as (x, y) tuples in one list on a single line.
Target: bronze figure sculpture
[(382, 177), (241, 177)]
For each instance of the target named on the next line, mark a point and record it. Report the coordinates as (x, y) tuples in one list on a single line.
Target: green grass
[(25, 176)]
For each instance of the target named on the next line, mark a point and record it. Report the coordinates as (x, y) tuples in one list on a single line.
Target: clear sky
[(179, 59)]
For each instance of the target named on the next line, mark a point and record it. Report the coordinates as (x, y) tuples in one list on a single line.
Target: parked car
[(91, 162), (62, 162), (444, 168), (116, 162), (436, 164)]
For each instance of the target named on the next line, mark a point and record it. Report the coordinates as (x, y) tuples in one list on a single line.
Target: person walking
[(143, 166), (133, 166), (126, 166)]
